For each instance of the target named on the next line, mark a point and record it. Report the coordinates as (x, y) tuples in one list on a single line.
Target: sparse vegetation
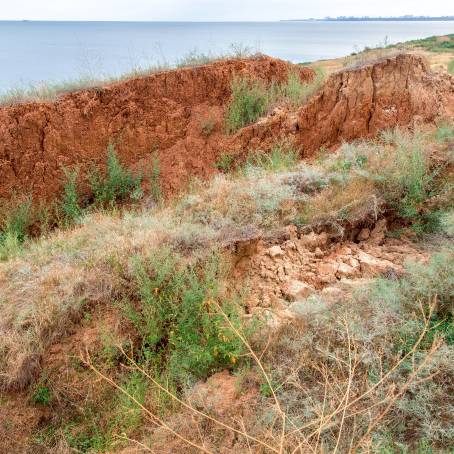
[(252, 98), (70, 206), (280, 157), (182, 337), (434, 43), (180, 322), (225, 162), (17, 220), (46, 91), (118, 183)]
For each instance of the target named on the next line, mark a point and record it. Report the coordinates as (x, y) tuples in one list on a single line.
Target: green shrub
[(183, 336), (252, 98), (294, 91), (410, 184), (69, 204), (42, 395), (117, 184), (451, 67), (225, 162), (17, 220), (249, 101), (281, 157)]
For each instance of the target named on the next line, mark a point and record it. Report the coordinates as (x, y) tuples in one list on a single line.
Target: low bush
[(250, 99), (182, 336), (14, 230), (117, 184), (70, 206)]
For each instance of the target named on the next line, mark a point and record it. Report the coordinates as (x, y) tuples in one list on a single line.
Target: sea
[(44, 52)]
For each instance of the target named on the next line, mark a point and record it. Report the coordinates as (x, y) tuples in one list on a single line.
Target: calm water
[(31, 52)]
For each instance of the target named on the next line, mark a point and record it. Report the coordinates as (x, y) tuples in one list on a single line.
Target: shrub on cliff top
[(252, 98), (249, 101)]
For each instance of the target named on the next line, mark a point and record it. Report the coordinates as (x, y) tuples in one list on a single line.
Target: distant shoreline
[(375, 19)]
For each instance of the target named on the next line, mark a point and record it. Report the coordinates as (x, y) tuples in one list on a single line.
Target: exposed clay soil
[(161, 113), (310, 272), (164, 114)]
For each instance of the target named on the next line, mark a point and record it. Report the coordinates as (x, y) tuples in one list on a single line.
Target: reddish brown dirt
[(153, 113), (357, 103), (166, 113)]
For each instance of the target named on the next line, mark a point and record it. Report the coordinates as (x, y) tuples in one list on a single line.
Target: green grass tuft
[(249, 101), (69, 205), (117, 184)]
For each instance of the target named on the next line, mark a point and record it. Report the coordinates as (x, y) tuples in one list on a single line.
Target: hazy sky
[(216, 10)]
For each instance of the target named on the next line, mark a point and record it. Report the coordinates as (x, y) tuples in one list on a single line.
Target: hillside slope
[(279, 306)]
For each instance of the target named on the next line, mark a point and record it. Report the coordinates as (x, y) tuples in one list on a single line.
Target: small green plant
[(252, 98), (156, 192), (17, 220), (69, 205), (410, 185), (249, 101), (118, 183), (128, 414), (184, 338), (42, 395), (281, 157), (451, 67), (225, 162), (296, 92)]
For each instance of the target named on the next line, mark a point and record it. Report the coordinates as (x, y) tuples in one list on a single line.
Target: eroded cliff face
[(357, 103), (140, 116), (166, 116), (360, 102)]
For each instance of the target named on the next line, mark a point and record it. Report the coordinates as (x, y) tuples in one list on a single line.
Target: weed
[(249, 101), (183, 338), (42, 395), (17, 220), (295, 92), (281, 157), (117, 184), (128, 414), (70, 205), (225, 162), (252, 98)]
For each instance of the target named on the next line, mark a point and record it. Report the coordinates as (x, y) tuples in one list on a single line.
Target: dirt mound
[(357, 103), (140, 116)]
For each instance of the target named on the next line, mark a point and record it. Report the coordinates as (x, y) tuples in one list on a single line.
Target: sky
[(214, 10)]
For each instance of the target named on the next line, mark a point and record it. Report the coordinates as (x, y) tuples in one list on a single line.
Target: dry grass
[(49, 91), (46, 285), (334, 384)]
